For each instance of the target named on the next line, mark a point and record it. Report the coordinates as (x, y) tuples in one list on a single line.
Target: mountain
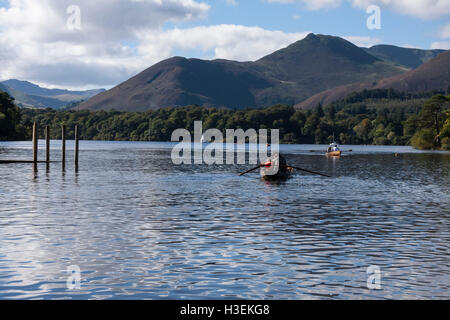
[(31, 95), (321, 59), (290, 75), (403, 57), (179, 81), (433, 75)]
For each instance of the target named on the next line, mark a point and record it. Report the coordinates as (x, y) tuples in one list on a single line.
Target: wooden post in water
[(77, 147), (63, 138), (35, 144), (47, 140)]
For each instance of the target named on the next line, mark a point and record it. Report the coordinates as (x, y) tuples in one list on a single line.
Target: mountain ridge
[(405, 57), (30, 95), (433, 75), (289, 75), (314, 69)]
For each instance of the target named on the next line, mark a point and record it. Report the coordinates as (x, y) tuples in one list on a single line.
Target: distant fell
[(179, 81), (406, 57), (290, 75), (433, 75), (35, 90), (30, 95)]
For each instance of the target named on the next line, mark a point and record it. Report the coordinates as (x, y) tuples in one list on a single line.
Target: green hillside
[(403, 57), (382, 117), (288, 76)]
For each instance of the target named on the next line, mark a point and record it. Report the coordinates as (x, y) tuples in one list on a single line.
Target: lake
[(139, 227)]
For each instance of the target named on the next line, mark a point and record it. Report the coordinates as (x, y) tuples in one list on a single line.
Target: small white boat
[(334, 150)]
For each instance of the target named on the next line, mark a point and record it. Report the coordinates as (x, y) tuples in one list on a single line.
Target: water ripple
[(141, 228)]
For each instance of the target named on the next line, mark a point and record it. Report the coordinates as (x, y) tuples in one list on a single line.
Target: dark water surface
[(139, 227)]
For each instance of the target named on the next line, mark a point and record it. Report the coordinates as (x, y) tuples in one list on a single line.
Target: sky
[(85, 44)]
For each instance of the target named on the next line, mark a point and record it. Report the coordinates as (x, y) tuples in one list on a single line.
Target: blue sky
[(345, 20), (116, 39)]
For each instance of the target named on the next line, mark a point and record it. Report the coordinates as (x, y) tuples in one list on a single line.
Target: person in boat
[(283, 172), (333, 147), (283, 162), (283, 169)]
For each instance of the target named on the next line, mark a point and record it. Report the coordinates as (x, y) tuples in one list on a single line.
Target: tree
[(310, 127), (319, 111), (429, 123), (363, 129), (432, 113), (379, 122), (445, 133), (332, 113), (10, 116), (424, 139)]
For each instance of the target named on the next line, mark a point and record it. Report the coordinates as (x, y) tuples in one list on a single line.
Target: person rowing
[(276, 168)]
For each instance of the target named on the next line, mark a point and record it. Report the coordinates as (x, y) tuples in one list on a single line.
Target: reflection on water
[(140, 227)]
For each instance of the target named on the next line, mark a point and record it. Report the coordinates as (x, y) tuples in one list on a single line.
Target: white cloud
[(365, 42), (409, 46), (312, 4), (424, 9), (36, 45), (103, 20), (445, 32), (118, 38), (445, 45), (232, 3), (232, 42)]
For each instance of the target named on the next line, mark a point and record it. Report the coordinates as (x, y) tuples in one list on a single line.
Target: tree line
[(379, 117), (11, 127)]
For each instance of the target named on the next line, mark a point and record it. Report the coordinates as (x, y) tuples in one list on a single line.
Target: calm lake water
[(139, 227)]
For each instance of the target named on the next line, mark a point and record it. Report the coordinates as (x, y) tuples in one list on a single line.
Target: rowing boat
[(275, 168)]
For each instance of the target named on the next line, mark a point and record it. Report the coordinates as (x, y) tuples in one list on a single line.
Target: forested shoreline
[(377, 117)]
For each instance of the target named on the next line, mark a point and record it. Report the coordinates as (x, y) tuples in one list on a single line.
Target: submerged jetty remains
[(35, 143)]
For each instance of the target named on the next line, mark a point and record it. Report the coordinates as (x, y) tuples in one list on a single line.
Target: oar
[(318, 173), (241, 174), (325, 151), (262, 165)]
